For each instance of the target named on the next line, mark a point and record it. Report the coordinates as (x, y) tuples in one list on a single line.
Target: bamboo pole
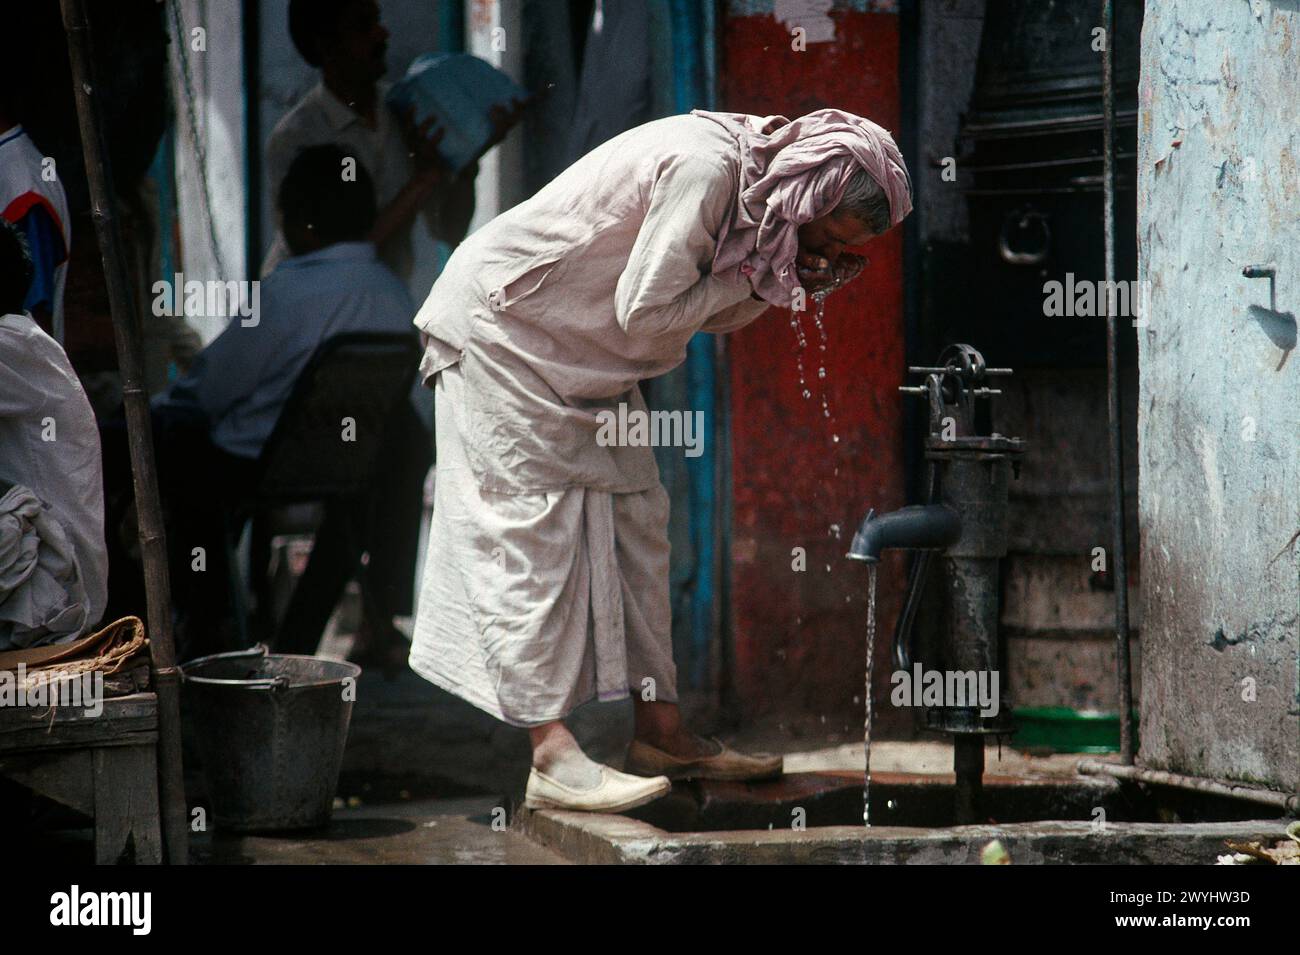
[(126, 333)]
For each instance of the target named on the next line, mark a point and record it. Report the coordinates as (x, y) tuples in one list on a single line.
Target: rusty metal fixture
[(964, 523), (972, 469), (971, 466), (1266, 271)]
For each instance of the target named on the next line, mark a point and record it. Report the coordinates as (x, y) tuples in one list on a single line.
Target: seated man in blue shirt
[(333, 283), (212, 424)]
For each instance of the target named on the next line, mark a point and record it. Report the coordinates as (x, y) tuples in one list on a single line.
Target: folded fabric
[(42, 597)]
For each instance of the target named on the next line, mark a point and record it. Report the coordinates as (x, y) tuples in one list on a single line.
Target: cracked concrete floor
[(456, 831)]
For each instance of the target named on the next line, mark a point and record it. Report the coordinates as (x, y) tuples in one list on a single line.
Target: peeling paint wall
[(798, 616), (1219, 410)]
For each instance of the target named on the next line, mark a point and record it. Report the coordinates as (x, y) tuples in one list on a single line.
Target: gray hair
[(864, 199)]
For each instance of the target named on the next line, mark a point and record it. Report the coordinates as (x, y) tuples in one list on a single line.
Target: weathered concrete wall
[(1219, 417)]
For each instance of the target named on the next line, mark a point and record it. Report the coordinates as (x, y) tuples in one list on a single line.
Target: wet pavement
[(468, 830), (428, 779)]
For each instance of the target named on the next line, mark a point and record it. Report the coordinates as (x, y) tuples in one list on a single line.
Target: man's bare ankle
[(682, 743)]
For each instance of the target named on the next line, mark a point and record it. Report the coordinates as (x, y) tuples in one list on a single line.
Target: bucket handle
[(272, 683), (276, 683)]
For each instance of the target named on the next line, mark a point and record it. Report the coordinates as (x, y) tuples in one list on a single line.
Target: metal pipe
[(1119, 555), (916, 578), (968, 768), (1287, 802)]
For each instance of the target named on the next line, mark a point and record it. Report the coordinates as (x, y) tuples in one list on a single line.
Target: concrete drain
[(816, 818)]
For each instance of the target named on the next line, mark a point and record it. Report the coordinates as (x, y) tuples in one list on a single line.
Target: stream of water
[(866, 733), (823, 347), (828, 415)]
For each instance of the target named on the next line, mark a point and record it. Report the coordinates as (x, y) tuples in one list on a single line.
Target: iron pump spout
[(919, 527)]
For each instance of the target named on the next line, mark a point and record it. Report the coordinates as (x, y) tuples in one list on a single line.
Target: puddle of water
[(926, 800)]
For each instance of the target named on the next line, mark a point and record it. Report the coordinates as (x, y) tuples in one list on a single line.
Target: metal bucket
[(271, 730)]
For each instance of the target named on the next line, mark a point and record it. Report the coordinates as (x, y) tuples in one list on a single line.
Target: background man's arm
[(227, 371)]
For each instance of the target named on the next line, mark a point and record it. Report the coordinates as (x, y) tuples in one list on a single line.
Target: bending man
[(546, 582)]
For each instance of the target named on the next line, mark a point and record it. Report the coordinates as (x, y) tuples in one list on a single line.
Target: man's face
[(359, 42), (832, 234)]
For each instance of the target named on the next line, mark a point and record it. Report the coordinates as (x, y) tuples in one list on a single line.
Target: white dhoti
[(533, 604)]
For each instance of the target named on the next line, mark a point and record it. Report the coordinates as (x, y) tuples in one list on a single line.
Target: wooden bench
[(104, 766)]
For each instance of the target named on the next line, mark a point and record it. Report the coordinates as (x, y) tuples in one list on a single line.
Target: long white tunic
[(546, 582)]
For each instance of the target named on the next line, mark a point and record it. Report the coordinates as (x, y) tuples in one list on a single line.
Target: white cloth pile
[(53, 563), (43, 599)]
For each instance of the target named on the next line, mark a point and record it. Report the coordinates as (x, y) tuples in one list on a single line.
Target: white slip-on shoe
[(616, 792)]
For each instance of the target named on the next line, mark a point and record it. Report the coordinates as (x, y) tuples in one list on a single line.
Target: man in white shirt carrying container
[(346, 41)]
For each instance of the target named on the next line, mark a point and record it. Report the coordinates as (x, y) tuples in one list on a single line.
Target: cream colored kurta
[(546, 582)]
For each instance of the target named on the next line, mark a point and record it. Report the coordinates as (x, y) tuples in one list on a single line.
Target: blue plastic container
[(458, 90)]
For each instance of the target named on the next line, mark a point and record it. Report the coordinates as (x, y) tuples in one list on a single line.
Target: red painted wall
[(800, 636)]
